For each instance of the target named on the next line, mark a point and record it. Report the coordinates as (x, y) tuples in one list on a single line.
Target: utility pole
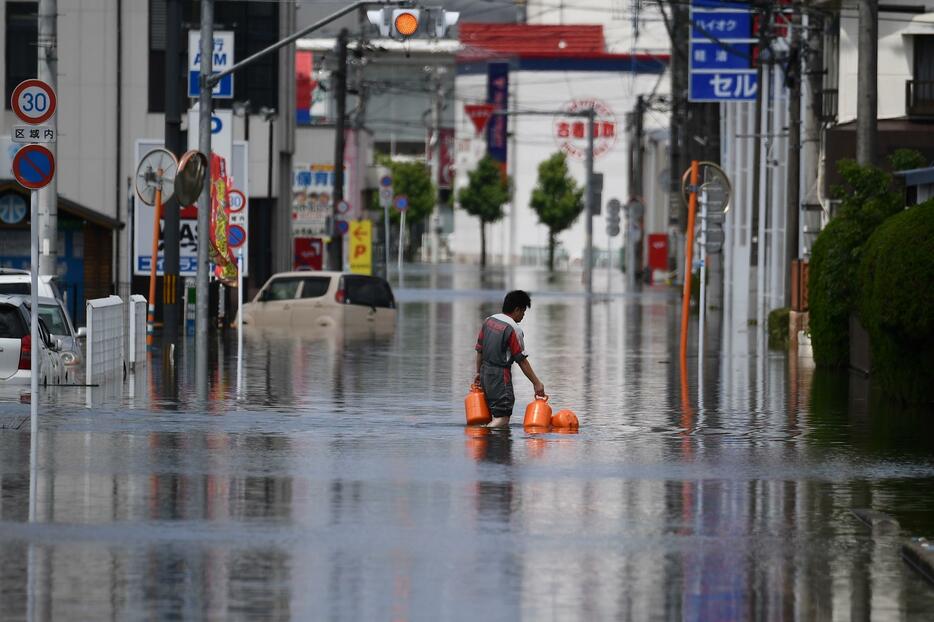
[(283, 255), (636, 189), (810, 145), (336, 248), (48, 197), (679, 28), (435, 145), (866, 83), (205, 104), (173, 142), (793, 80), (589, 206)]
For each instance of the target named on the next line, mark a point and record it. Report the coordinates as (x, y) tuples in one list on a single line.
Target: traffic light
[(612, 218), (395, 23), (404, 23)]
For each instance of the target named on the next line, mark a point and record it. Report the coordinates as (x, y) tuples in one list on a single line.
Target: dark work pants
[(497, 387)]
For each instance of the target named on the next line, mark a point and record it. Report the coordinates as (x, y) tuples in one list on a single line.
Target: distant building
[(553, 69)]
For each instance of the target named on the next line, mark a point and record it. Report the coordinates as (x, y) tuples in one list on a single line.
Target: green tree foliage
[(486, 192), (906, 159), (413, 180), (867, 199), (556, 199), (896, 298)]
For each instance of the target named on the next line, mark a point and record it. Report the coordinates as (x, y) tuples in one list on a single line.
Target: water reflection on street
[(339, 481)]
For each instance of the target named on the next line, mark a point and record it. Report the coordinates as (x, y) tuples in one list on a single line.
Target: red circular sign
[(236, 200), (33, 101), (33, 166), (571, 131)]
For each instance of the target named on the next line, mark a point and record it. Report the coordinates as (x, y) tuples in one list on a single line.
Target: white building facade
[(552, 71)]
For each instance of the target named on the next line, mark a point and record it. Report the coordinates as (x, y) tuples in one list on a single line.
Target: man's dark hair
[(517, 299)]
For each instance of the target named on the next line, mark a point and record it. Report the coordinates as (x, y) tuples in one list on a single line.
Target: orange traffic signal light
[(405, 23)]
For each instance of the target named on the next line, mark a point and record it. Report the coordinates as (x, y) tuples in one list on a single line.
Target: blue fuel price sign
[(721, 52)]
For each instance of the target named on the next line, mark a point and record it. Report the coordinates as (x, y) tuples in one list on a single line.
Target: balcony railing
[(919, 98)]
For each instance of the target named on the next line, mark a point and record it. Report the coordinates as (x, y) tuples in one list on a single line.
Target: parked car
[(52, 312), (15, 282), (322, 299), (15, 346)]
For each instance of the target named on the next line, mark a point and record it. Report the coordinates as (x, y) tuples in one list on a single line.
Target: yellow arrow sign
[(361, 247)]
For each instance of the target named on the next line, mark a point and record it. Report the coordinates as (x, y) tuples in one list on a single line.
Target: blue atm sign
[(721, 52), (221, 59)]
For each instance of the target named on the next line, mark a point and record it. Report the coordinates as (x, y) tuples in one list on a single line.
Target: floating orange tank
[(538, 413), (478, 413), (565, 419)]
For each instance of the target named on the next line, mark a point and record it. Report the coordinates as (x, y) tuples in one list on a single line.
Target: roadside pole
[(47, 71), (688, 257), (702, 247), (204, 201), (435, 145), (240, 322), (588, 206), (33, 166), (34, 354), (401, 245)]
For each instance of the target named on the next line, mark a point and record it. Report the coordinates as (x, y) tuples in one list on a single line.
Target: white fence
[(104, 357), (137, 331)]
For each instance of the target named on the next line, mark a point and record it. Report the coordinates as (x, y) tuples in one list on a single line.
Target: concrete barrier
[(136, 331), (105, 340)]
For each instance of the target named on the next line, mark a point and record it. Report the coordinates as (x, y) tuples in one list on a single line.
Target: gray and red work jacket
[(501, 342)]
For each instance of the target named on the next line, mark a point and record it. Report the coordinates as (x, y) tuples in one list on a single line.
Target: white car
[(15, 346), (15, 282), (322, 299), (52, 313)]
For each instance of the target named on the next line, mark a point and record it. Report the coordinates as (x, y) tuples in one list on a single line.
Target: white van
[(321, 299)]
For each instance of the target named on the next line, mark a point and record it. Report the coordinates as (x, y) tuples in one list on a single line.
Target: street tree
[(556, 199), (486, 191), (413, 180)]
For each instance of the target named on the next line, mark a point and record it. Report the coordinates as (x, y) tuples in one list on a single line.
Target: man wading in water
[(500, 344)]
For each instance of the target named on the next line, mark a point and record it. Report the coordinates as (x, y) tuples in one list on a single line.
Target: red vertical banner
[(497, 92), (225, 265), (448, 154)]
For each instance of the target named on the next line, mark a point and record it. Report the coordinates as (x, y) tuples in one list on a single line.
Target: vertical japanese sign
[(361, 247), (446, 171), (721, 52), (497, 90)]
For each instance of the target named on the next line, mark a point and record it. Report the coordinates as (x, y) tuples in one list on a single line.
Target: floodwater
[(338, 481)]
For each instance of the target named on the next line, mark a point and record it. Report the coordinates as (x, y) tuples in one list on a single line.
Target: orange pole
[(151, 314), (688, 260)]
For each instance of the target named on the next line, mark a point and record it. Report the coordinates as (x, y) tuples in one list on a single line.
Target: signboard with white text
[(223, 59), (188, 219)]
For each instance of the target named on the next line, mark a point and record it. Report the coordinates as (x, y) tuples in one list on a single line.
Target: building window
[(22, 32), (255, 25)]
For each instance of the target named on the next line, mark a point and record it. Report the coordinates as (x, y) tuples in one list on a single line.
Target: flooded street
[(339, 481)]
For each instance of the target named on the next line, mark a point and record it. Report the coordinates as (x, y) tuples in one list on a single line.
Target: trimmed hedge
[(778, 328), (866, 201), (896, 303)]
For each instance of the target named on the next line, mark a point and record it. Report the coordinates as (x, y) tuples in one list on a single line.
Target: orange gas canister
[(538, 413), (565, 419), (478, 413)]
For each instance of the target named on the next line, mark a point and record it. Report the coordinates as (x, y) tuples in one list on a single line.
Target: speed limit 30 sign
[(33, 101)]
